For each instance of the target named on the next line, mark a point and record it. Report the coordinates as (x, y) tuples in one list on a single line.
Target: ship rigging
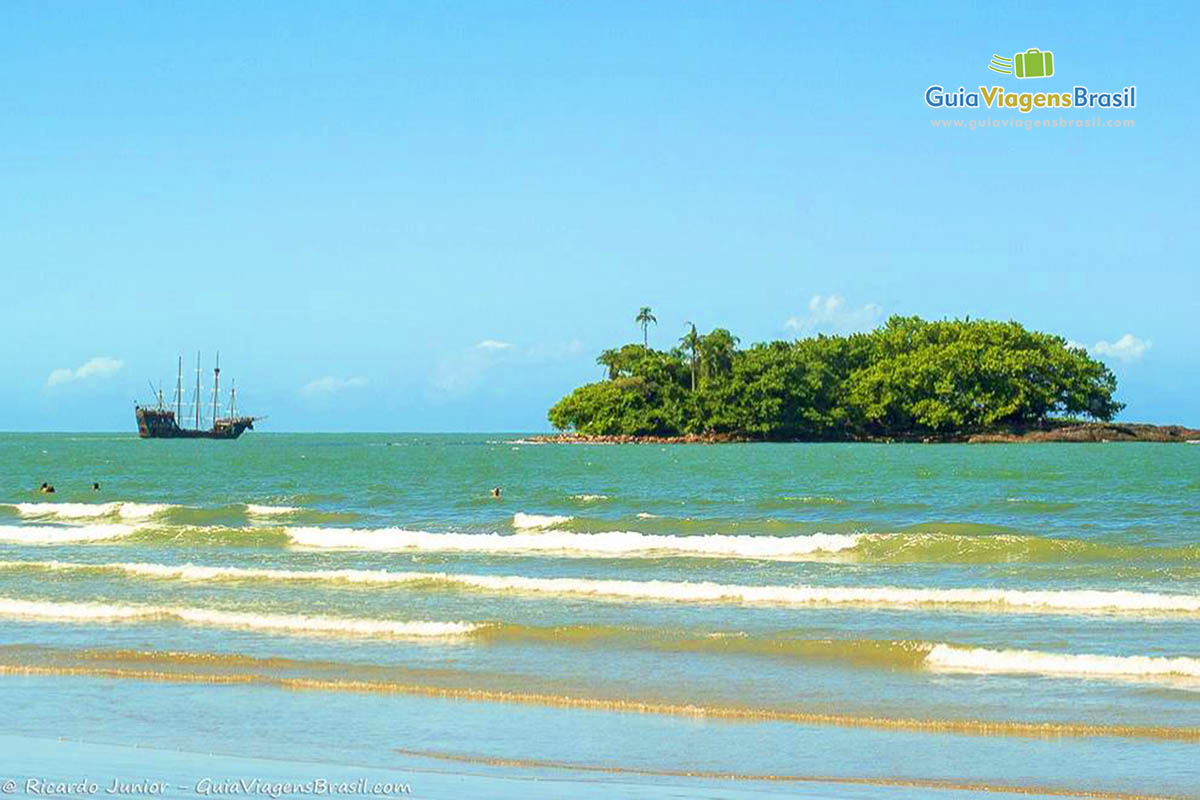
[(163, 421)]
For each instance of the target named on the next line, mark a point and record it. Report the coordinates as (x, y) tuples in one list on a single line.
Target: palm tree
[(611, 361), (644, 318), (716, 353), (691, 343)]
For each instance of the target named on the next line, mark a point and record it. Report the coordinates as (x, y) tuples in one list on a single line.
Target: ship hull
[(188, 433), (154, 423)]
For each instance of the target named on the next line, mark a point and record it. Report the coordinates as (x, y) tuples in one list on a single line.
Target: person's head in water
[(43, 487), (48, 488), (95, 487), (496, 491)]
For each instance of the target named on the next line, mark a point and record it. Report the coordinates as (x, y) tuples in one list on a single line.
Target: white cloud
[(829, 314), (462, 370), (1127, 348), (331, 384), (459, 371), (98, 367)]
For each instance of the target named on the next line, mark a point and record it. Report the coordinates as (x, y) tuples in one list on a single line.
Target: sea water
[(745, 620)]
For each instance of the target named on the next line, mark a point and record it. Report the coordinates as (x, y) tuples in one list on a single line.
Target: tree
[(644, 318), (717, 350), (691, 343), (958, 376), (909, 378)]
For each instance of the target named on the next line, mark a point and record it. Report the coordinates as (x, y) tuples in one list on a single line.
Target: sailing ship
[(163, 421)]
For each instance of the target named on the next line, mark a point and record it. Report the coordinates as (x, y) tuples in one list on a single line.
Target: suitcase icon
[(1034, 63)]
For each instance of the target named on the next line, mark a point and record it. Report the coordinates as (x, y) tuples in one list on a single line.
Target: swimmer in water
[(496, 492), (95, 487), (46, 489)]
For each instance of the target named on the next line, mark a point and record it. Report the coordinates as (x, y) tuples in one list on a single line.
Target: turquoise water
[(853, 620)]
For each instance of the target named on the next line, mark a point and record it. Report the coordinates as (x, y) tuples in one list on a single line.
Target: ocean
[(300, 614)]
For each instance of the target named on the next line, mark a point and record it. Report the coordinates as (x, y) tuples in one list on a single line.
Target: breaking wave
[(1081, 601), (613, 543), (99, 612), (123, 510), (878, 548), (937, 656), (48, 534), (170, 514), (1024, 662), (61, 523), (255, 510), (523, 521)]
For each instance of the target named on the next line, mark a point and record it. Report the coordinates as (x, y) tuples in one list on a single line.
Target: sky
[(432, 216)]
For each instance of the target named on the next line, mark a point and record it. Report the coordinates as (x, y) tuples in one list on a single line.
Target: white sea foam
[(1013, 600), (1024, 662), (255, 510), (100, 612), (522, 521), (589, 498), (646, 515), (124, 510), (612, 543), (46, 534)]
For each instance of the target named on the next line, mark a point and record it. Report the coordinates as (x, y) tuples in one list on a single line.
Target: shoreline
[(1088, 432)]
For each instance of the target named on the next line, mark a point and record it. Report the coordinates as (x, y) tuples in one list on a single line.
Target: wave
[(613, 543), (889, 654), (49, 611), (1019, 601), (523, 521), (589, 498), (800, 500), (1023, 662), (869, 652), (879, 548), (936, 656), (234, 668), (541, 534), (171, 514), (47, 534), (121, 509), (255, 510), (954, 548)]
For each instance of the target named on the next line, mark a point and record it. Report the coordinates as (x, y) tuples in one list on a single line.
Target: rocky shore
[(1079, 432), (1096, 432)]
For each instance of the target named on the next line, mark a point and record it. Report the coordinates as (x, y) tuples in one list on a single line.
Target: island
[(908, 380)]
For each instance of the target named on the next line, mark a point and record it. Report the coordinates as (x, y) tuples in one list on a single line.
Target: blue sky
[(432, 216)]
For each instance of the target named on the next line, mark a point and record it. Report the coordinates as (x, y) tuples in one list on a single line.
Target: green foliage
[(907, 378)]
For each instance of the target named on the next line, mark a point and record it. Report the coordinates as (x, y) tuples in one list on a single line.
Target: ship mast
[(179, 393), (216, 389), (197, 390)]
